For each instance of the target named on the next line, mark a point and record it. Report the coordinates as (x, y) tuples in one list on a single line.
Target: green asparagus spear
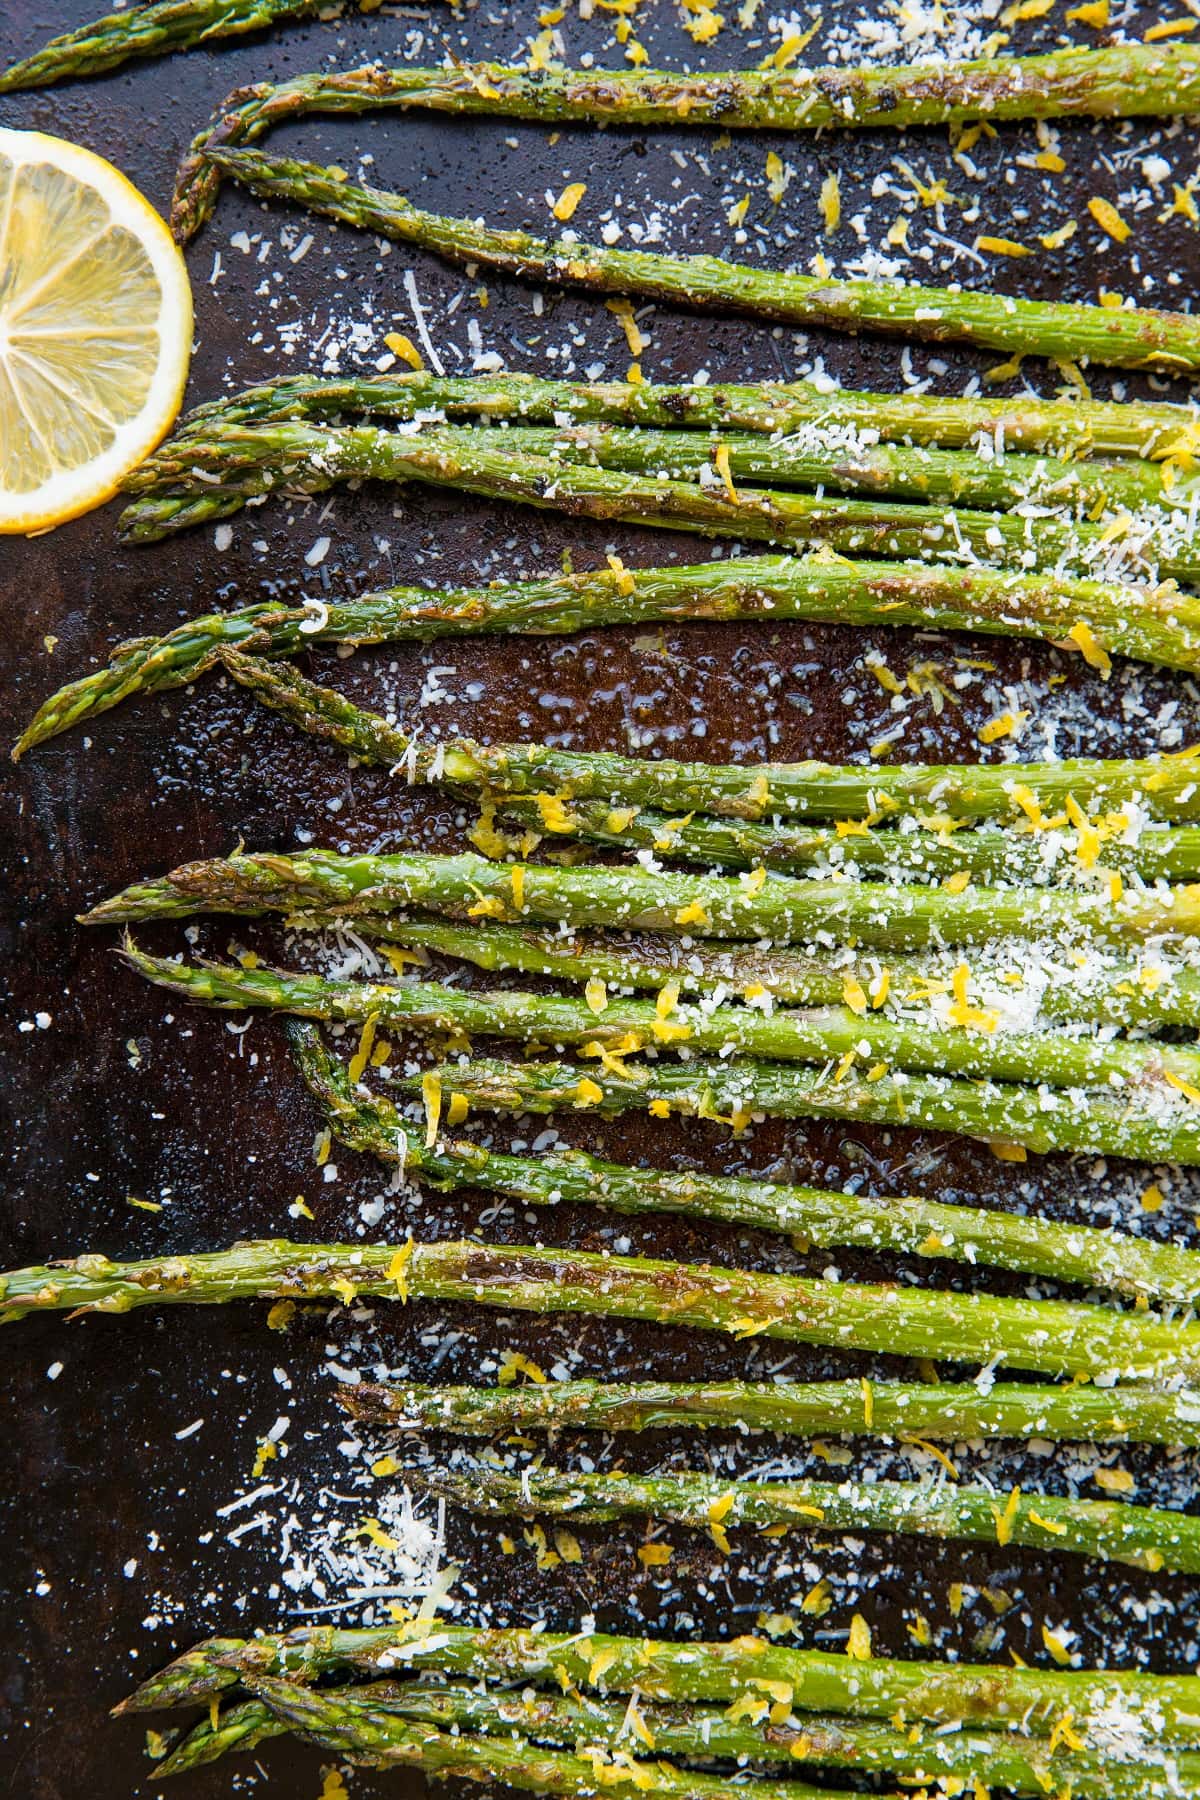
[(909, 1410), (1117, 81), (1145, 1537), (1052, 1337), (989, 854), (780, 907), (146, 30), (1127, 337), (1077, 613), (605, 1028), (1153, 1709), (1000, 1113), (1062, 428), (601, 481), (1018, 1764), (1110, 991), (239, 1728), (908, 1224), (342, 1722)]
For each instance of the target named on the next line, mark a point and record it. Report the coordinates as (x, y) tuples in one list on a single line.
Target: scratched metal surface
[(114, 1555)]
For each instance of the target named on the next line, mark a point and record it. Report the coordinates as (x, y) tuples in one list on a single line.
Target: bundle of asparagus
[(364, 1718), (1112, 537), (232, 456), (1051, 1337), (1028, 1731), (634, 477), (1112, 1097), (623, 1028), (1119, 1099)]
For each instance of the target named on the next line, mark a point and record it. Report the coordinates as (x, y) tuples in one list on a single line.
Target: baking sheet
[(127, 1532)]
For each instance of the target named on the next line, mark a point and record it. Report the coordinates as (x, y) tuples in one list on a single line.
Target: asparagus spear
[(600, 480), (1063, 428), (985, 853), (780, 907), (773, 587), (1052, 1337), (1118, 81), (999, 1113), (1145, 1537), (343, 1722), (924, 1410), (990, 854), (1154, 1709), (1127, 337), (1018, 1764), (240, 1727), (1145, 1073), (146, 30), (1117, 992), (909, 1224)]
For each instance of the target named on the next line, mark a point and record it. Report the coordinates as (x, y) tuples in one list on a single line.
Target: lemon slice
[(95, 330)]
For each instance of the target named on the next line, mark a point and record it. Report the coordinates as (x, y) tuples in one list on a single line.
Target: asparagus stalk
[(780, 907), (240, 1727), (1119, 81), (146, 30), (1154, 1709), (1119, 992), (773, 587), (343, 1722), (1127, 337), (926, 1410), (987, 854), (908, 1224), (1146, 1073), (1062, 428), (1018, 1764), (1145, 1537), (601, 480), (990, 854), (999, 1113), (232, 449), (1052, 1337)]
